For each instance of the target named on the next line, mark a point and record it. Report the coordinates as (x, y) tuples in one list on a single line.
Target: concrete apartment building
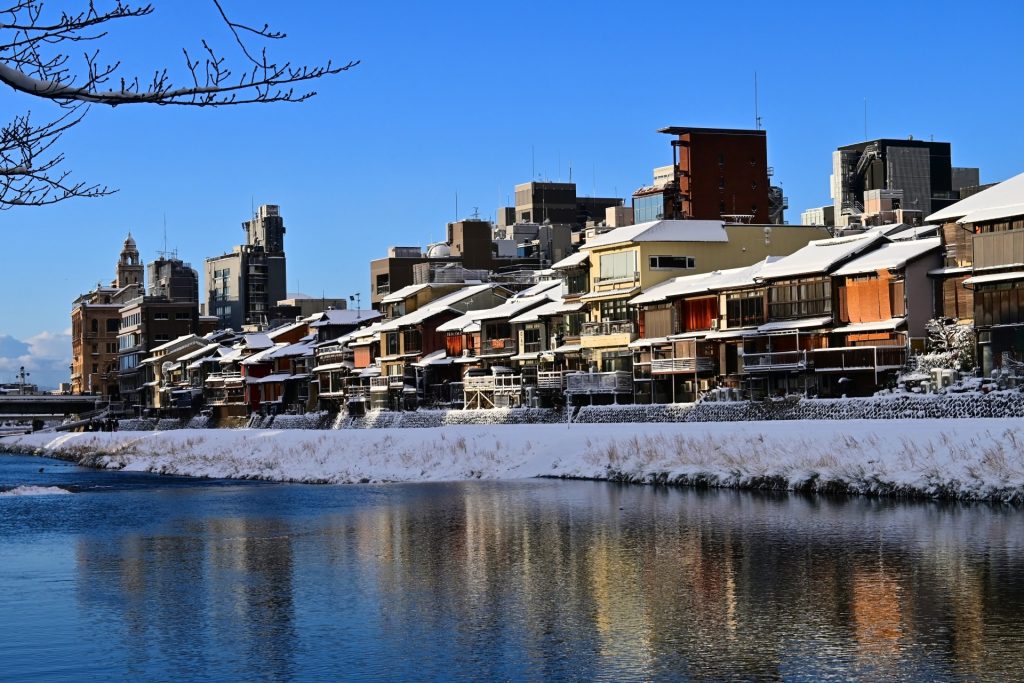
[(719, 174), (169, 310), (556, 203), (243, 285), (921, 169), (95, 321)]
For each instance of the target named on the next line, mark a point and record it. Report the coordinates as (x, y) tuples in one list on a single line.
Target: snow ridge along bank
[(962, 459)]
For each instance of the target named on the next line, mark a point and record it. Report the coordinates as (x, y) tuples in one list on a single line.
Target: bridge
[(44, 406)]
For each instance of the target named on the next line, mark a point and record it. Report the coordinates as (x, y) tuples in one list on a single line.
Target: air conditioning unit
[(714, 324)]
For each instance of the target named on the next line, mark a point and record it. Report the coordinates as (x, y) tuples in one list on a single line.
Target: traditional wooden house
[(163, 391), (225, 391), (406, 340), (885, 299), (984, 239), (778, 358)]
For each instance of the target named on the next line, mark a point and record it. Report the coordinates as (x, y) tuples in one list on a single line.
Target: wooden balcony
[(848, 358), (617, 382), (551, 379), (606, 327), (497, 347), (497, 384), (675, 366), (782, 360), (998, 249)]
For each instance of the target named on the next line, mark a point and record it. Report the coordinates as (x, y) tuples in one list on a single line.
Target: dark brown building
[(719, 172)]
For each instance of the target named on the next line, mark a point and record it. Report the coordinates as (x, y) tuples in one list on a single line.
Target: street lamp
[(355, 297), (21, 379)]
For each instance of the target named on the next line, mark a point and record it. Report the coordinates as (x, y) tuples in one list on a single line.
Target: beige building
[(629, 260), (95, 321)]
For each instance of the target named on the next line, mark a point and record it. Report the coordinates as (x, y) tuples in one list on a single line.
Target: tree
[(35, 61), (950, 346)]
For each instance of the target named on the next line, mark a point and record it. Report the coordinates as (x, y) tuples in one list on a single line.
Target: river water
[(147, 578)]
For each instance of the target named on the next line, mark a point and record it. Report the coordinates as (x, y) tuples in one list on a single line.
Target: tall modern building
[(170, 309), (921, 169), (244, 284), (716, 173)]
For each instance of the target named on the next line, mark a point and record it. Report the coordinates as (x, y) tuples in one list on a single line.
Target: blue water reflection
[(145, 578)]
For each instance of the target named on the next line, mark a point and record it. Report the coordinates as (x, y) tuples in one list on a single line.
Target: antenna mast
[(757, 117)]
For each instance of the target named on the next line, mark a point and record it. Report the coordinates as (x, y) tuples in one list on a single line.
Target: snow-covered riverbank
[(969, 459)]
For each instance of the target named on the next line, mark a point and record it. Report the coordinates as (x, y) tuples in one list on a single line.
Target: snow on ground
[(35, 491), (972, 459)]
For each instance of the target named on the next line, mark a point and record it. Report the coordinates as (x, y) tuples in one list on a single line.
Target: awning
[(277, 377), (343, 365), (995, 277), (371, 371), (688, 335), (610, 294), (435, 358), (567, 348), (876, 326), (572, 261), (644, 343), (951, 270), (526, 356), (732, 333), (468, 360), (793, 325)]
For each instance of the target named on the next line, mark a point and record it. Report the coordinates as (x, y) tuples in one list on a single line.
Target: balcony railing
[(597, 329), (671, 366), (380, 383), (859, 358), (383, 290), (782, 360), (617, 382), (995, 249), (498, 384), (551, 379)]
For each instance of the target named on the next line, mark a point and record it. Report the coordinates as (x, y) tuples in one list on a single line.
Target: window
[(744, 309), (672, 262), (412, 342), (112, 324), (95, 325), (617, 310), (161, 315), (618, 266), (799, 298), (648, 208), (392, 344), (162, 338), (531, 340)]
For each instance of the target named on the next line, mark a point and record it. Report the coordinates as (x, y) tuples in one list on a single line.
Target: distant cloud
[(46, 356)]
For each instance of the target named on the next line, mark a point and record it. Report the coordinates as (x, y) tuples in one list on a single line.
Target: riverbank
[(980, 459)]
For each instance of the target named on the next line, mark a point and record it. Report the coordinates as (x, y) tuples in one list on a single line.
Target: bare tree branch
[(34, 61)]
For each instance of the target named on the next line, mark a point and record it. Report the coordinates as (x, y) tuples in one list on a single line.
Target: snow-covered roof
[(876, 326), (663, 231), (717, 280), (504, 311), (798, 324), (404, 293), (544, 310), (344, 316), (914, 233), (289, 350), (539, 288), (342, 365), (572, 261), (1000, 201), (820, 256), (278, 377), (209, 349), (434, 358), (434, 307), (174, 343), (890, 256), (289, 327), (261, 356), (257, 340), (995, 277)]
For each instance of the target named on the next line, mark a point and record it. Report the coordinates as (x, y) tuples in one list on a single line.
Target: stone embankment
[(888, 407)]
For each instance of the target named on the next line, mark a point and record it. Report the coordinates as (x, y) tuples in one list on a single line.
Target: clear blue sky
[(453, 97)]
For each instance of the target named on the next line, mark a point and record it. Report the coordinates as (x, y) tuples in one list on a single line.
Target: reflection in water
[(545, 580)]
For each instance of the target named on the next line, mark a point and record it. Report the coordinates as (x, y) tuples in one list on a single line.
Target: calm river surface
[(145, 578)]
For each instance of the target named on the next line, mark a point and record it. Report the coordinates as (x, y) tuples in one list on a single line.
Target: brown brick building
[(719, 172)]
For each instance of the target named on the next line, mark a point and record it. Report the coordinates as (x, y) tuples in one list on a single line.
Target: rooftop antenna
[(570, 170), (757, 117), (165, 234)]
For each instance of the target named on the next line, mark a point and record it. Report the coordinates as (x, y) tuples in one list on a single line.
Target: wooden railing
[(595, 329), (859, 358), (782, 360), (669, 366), (498, 345), (617, 381), (551, 379)]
